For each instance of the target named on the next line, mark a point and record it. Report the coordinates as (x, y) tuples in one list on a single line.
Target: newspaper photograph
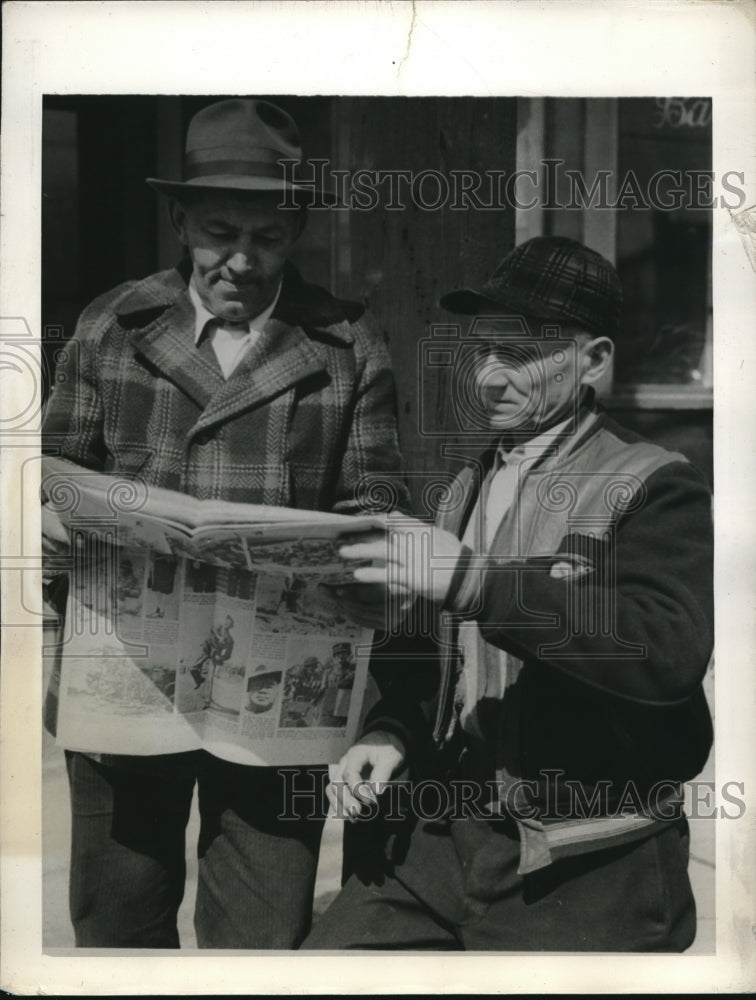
[(174, 654)]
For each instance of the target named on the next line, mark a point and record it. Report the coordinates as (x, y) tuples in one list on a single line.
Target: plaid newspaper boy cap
[(549, 278)]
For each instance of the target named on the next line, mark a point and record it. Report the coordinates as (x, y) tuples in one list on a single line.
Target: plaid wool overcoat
[(307, 419)]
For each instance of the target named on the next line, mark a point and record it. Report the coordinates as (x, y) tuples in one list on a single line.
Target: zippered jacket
[(601, 714)]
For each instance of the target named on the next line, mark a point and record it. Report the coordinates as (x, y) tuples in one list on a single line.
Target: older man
[(227, 378), (557, 748)]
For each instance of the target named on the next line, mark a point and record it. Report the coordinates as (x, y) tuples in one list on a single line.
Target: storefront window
[(663, 251)]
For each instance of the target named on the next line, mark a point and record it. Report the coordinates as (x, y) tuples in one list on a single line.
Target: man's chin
[(509, 418), (231, 305), (234, 310)]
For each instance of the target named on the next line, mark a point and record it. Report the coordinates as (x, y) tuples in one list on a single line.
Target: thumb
[(352, 766), (383, 768)]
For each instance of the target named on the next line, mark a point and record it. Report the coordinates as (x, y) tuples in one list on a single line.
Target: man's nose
[(242, 258), (493, 369)]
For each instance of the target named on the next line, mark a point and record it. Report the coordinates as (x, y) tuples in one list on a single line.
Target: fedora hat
[(549, 278), (236, 145)]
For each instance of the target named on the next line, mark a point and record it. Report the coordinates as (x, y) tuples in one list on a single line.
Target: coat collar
[(588, 420), (299, 304), (158, 316)]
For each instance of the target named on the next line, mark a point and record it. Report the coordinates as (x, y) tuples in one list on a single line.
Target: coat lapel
[(160, 319), (282, 356), (167, 340)]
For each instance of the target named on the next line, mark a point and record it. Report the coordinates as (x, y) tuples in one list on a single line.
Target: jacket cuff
[(389, 724), (463, 595)]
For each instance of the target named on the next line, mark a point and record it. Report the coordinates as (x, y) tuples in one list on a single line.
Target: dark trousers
[(256, 870), (457, 888)]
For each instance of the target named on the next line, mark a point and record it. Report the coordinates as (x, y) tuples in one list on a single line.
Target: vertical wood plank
[(565, 141), (404, 258), (600, 226), (531, 125)]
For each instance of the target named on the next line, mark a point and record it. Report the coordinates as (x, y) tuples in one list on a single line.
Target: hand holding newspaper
[(202, 624), (128, 513)]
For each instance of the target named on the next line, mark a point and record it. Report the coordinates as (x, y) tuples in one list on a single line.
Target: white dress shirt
[(500, 487), (487, 671), (230, 341)]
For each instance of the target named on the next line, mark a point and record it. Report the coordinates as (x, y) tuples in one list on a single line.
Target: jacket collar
[(589, 418), (581, 425), (299, 304), (159, 318)]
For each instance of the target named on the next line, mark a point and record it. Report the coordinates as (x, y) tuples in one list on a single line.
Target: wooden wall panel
[(400, 261)]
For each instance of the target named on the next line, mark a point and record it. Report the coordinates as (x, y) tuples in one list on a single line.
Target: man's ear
[(177, 215), (597, 357)]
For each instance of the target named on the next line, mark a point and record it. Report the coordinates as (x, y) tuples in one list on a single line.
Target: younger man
[(227, 378)]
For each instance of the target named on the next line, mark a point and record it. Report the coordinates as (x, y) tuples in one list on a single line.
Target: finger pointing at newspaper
[(411, 558)]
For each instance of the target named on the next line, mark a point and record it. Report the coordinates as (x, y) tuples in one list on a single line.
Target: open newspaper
[(204, 625), (124, 510)]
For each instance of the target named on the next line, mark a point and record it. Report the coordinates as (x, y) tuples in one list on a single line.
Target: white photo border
[(509, 48)]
